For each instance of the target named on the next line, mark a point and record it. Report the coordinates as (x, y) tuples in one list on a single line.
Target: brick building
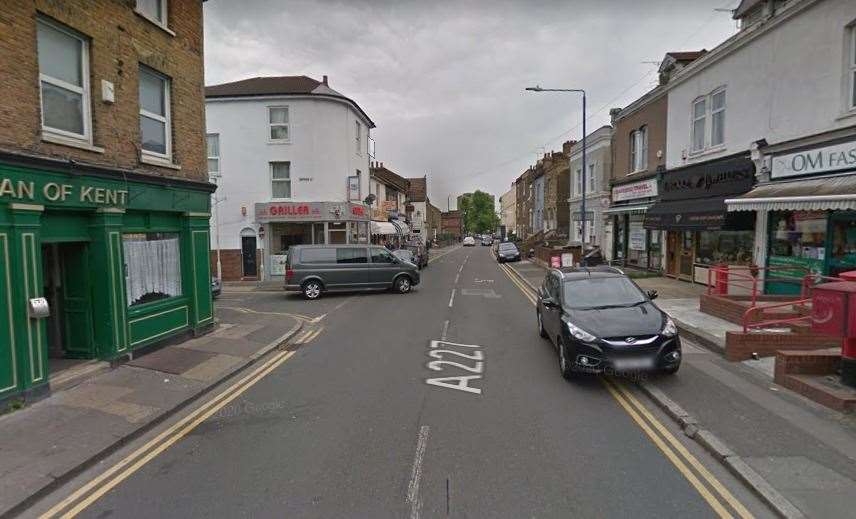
[(525, 203), (452, 224), (104, 198), (557, 175), (435, 221)]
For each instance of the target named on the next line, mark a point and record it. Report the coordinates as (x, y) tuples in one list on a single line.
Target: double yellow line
[(96, 488), (308, 336), (720, 499)]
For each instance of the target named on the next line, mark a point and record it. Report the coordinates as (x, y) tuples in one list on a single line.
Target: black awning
[(701, 214)]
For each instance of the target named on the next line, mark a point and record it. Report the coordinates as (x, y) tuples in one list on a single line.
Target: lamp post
[(583, 172)]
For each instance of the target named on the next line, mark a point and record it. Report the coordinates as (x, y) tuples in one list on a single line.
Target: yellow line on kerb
[(630, 404), (160, 443)]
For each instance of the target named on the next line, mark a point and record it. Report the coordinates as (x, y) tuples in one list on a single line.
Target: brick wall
[(732, 308), (740, 346), (230, 261), (119, 41), (652, 115)]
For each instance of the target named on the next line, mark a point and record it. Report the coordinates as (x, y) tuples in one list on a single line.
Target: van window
[(318, 256), (382, 256), (349, 256)]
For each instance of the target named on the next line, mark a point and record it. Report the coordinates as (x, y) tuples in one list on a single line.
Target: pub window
[(155, 125), (280, 179), (64, 81), (278, 122), (152, 266)]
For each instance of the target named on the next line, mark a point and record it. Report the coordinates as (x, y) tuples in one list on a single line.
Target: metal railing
[(748, 280)]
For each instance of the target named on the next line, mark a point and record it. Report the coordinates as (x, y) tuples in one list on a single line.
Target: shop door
[(248, 256), (672, 253), (76, 300), (687, 255)]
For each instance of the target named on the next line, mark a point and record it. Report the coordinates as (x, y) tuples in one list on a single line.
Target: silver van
[(313, 269)]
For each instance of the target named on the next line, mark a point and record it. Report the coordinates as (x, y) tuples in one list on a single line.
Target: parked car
[(315, 269), (487, 241), (469, 241), (405, 255), (601, 321), (420, 253), (216, 287), (507, 251)]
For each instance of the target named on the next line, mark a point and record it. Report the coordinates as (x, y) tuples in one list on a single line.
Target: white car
[(469, 241)]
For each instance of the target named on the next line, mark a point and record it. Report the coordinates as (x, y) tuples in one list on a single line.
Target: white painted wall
[(787, 83), (322, 148)]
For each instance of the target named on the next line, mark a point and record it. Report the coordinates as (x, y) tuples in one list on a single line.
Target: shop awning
[(402, 227), (816, 194), (383, 228), (630, 209)]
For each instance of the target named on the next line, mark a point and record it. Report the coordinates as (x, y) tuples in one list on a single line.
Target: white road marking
[(457, 276), (452, 299), (435, 344), (445, 330), (459, 383), (416, 472)]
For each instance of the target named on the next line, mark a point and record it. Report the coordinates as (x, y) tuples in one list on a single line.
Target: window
[(63, 81), (154, 10), (699, 115), (349, 256), (155, 131), (280, 179), (578, 180), (380, 255), (278, 121), (153, 266), (717, 118), (592, 185), (634, 151), (851, 73), (213, 154), (359, 138), (639, 150), (325, 255)]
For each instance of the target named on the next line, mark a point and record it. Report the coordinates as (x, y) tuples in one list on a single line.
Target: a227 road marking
[(442, 350)]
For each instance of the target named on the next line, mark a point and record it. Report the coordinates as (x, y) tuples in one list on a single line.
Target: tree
[(479, 213)]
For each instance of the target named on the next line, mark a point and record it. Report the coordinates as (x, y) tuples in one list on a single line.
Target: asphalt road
[(350, 426)]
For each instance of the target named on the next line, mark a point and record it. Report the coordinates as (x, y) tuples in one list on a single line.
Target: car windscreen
[(507, 247), (406, 255), (602, 292)]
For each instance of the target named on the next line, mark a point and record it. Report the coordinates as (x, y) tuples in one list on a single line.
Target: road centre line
[(624, 398), (445, 330), (416, 472), (452, 299), (163, 441), (457, 276)]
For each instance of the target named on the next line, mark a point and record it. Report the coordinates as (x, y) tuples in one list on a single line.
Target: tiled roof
[(389, 178)]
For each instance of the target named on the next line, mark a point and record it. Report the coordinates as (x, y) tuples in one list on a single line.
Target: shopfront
[(806, 214), (120, 259), (633, 244), (700, 232), (284, 224)]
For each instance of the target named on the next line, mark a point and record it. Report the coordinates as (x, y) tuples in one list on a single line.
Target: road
[(370, 417)]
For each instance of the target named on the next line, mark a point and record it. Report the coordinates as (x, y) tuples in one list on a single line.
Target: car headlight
[(580, 334), (670, 330)]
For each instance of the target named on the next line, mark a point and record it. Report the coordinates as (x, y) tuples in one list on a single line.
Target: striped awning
[(815, 194), (383, 228), (631, 209)]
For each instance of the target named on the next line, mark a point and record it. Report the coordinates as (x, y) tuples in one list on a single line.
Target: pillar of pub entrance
[(107, 266), (196, 271)]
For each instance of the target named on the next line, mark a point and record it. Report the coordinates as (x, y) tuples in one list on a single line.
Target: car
[(405, 255), (469, 241), (487, 241), (216, 287), (507, 251), (600, 321), (316, 269)]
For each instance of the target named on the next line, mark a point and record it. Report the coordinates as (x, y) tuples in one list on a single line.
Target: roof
[(418, 191), (689, 55), (746, 6), (388, 177), (280, 86)]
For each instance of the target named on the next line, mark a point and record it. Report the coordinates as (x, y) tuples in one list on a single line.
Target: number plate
[(634, 363)]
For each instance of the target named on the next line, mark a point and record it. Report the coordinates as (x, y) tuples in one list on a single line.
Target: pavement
[(439, 403), (800, 453), (44, 445)]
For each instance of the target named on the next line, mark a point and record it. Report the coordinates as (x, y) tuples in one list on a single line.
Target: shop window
[(278, 123), (153, 267), (797, 241), (213, 141), (843, 253), (64, 81), (350, 256), (280, 179), (155, 130), (725, 247)]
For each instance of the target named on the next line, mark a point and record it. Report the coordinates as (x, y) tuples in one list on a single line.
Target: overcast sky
[(443, 80)]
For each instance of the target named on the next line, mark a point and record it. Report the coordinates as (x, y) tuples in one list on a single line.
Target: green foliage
[(479, 213)]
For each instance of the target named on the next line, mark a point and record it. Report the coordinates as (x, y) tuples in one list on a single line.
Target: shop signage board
[(389, 205), (310, 211), (827, 159), (709, 180), (812, 265), (634, 190), (637, 239)]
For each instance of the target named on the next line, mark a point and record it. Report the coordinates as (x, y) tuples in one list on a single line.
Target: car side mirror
[(652, 294)]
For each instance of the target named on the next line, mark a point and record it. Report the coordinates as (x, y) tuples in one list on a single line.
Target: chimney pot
[(324, 80)]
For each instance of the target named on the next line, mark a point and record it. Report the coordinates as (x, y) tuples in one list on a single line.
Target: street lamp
[(583, 172)]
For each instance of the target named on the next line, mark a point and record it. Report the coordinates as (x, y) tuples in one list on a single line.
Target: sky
[(444, 80)]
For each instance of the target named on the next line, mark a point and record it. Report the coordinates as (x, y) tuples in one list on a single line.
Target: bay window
[(155, 125), (63, 81), (152, 266)]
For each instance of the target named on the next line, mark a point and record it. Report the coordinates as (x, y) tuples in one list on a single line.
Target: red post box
[(834, 313)]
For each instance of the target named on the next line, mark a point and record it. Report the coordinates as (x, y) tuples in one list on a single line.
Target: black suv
[(601, 321)]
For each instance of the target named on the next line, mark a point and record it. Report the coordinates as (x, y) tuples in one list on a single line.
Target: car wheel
[(312, 290), (564, 364), (541, 331), (402, 285), (671, 371)]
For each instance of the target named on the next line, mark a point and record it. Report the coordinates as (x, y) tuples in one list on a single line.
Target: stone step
[(826, 390)]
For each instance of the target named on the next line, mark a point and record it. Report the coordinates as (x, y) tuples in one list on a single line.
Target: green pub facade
[(121, 259)]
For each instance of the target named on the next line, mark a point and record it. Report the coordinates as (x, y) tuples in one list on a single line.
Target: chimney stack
[(325, 80), (613, 115)]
